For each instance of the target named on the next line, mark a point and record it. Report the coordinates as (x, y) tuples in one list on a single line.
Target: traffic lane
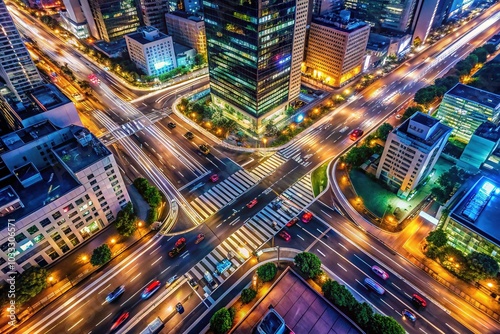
[(413, 277)]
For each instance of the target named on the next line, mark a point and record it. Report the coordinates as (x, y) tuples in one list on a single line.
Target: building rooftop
[(342, 22), (478, 210), (77, 156), (146, 35), (438, 130), (41, 99), (186, 16), (56, 182), (303, 309), (180, 48), (425, 119), (22, 137), (476, 95), (489, 131)]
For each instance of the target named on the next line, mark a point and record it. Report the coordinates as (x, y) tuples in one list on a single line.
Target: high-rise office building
[(16, 66), (74, 20), (110, 20), (337, 47), (187, 30), (322, 7), (424, 17), (187, 6), (411, 151), (151, 50), (255, 51), (465, 108), (389, 14), (153, 13)]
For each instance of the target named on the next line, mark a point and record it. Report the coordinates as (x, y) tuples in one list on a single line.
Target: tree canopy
[(339, 295), (266, 272), (308, 263), (383, 131), (247, 295), (411, 110), (30, 283), (381, 324), (437, 237), (481, 266), (100, 255), (221, 321), (125, 220)]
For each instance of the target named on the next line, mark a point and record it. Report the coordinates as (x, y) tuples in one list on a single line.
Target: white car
[(380, 273)]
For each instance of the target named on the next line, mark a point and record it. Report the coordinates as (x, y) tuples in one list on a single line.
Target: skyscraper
[(73, 19), (255, 49), (16, 67), (153, 13), (110, 20)]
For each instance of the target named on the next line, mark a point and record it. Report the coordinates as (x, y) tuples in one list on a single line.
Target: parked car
[(115, 293), (119, 320), (252, 203), (285, 236), (292, 222), (179, 308), (380, 273), (214, 177), (189, 135), (306, 217), (419, 301), (171, 280), (150, 289), (171, 125), (407, 314)]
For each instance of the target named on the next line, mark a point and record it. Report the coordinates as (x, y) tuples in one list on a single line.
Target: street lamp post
[(278, 248)]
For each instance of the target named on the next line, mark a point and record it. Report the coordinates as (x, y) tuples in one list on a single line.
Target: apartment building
[(187, 30)]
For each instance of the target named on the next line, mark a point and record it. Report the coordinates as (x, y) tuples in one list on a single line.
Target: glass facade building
[(250, 46)]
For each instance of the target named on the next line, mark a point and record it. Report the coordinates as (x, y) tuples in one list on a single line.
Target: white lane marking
[(165, 270), (396, 286), (343, 246), (185, 255), (420, 329), (386, 303), (362, 260), (326, 214), (152, 264), (338, 264), (218, 225), (121, 305), (321, 252), (139, 274), (408, 295), (107, 286), (135, 265), (300, 237), (154, 250), (103, 319), (453, 329), (76, 323)]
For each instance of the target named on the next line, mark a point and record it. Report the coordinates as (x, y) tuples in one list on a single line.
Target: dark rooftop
[(477, 95), (41, 99), (338, 22), (41, 193), (488, 131), (21, 137), (139, 36), (25, 172), (439, 130), (424, 119), (78, 157), (303, 309), (479, 209), (186, 16)]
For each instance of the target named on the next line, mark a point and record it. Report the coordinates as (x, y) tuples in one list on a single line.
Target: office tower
[(16, 67), (59, 186), (388, 14), (151, 50), (471, 224), (110, 20), (425, 15), (153, 13), (481, 146), (188, 6), (442, 13), (337, 47), (187, 30), (322, 7), (465, 108), (73, 19), (255, 50), (411, 151)]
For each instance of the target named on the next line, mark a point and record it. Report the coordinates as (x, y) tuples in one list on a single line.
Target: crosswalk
[(256, 231), (223, 193), (294, 150), (268, 166)]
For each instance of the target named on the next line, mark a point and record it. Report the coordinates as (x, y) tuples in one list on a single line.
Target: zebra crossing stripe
[(305, 194), (245, 177), (198, 209), (208, 203), (235, 187), (248, 237), (203, 205), (212, 199), (228, 190), (263, 227), (238, 185), (217, 190), (258, 236)]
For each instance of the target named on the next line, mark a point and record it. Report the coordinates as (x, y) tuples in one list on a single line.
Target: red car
[(419, 300), (214, 178), (150, 289), (292, 222), (306, 217), (285, 235), (252, 203), (120, 320)]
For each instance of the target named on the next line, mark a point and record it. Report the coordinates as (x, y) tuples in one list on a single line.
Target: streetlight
[(278, 248), (265, 141), (113, 241), (51, 280)]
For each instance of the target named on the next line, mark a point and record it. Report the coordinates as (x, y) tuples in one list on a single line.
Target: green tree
[(381, 324), (266, 272), (221, 321), (432, 251), (30, 283), (490, 48), (183, 105), (141, 184), (481, 54), (100, 255), (464, 67), (425, 95), (339, 295), (363, 314), (473, 59), (247, 295), (152, 196), (448, 82), (410, 111), (438, 237), (417, 42), (383, 131), (125, 221), (308, 263), (480, 266), (199, 59), (440, 194), (357, 155)]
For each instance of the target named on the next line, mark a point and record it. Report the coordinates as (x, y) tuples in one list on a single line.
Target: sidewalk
[(75, 267), (408, 244)]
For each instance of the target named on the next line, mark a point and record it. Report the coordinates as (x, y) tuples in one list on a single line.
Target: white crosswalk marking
[(268, 166), (223, 193), (255, 232)]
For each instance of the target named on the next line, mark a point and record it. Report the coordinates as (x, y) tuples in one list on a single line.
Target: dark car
[(179, 308), (115, 293), (150, 289), (171, 125), (407, 314), (189, 135), (292, 222), (119, 320)]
